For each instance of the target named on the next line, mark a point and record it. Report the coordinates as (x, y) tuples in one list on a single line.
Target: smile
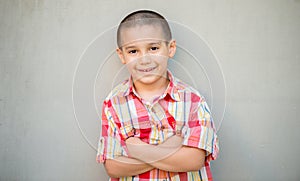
[(146, 70)]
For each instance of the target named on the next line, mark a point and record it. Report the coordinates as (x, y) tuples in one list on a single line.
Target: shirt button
[(153, 110)]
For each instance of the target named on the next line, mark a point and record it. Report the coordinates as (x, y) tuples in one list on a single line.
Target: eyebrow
[(129, 47), (132, 47)]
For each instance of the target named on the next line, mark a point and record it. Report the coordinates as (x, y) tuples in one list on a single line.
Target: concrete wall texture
[(41, 41)]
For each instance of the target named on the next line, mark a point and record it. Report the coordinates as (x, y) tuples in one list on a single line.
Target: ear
[(121, 56), (172, 48)]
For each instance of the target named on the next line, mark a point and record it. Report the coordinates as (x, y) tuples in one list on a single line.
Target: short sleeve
[(110, 144), (200, 131)]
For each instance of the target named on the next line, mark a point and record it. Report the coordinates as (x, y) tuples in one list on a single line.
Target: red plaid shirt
[(180, 109)]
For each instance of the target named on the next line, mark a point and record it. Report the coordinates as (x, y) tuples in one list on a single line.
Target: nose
[(145, 58)]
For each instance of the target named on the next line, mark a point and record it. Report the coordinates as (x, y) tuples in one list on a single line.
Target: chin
[(148, 80)]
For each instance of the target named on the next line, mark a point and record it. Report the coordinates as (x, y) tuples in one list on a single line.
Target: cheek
[(128, 59), (165, 64), (131, 59), (130, 66), (162, 56), (163, 61)]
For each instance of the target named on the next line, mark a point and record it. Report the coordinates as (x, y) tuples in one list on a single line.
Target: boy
[(154, 127)]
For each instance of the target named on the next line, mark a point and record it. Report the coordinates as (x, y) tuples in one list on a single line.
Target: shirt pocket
[(140, 128), (143, 130), (127, 130)]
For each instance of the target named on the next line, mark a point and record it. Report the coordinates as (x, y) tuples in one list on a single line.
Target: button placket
[(153, 110), (160, 114), (152, 116)]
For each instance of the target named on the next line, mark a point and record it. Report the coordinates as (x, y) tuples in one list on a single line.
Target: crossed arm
[(170, 156)]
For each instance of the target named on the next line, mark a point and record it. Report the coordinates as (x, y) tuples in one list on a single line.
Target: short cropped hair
[(144, 17)]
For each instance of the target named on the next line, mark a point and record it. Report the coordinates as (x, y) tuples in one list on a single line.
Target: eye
[(132, 51), (153, 48)]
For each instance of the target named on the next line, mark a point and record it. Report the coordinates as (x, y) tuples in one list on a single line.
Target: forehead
[(141, 33)]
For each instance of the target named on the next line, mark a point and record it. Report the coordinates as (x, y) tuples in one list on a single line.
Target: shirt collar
[(172, 89)]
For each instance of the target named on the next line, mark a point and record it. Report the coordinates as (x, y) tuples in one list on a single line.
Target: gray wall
[(41, 42)]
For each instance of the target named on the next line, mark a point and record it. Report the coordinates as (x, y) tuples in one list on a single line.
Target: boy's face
[(146, 52)]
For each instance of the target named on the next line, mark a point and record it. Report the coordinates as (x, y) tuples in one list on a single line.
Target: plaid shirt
[(180, 109)]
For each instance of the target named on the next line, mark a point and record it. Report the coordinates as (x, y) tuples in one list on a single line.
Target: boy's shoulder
[(177, 86), (184, 88), (120, 90)]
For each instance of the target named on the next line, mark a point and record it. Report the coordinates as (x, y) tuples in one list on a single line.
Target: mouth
[(147, 69)]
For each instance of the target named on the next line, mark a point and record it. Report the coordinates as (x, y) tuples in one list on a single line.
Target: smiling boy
[(154, 126)]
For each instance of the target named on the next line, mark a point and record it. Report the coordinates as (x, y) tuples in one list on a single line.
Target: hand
[(172, 142), (152, 153), (136, 147), (134, 141)]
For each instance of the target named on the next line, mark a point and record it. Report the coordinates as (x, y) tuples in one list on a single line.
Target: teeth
[(146, 70)]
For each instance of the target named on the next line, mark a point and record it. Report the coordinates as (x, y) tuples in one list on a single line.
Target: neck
[(150, 91)]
